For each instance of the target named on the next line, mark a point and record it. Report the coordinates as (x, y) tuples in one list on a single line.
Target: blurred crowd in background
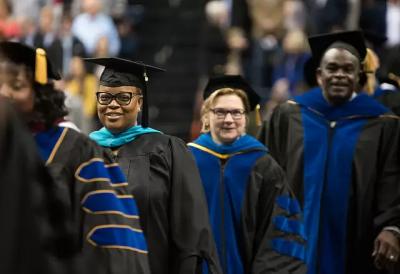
[(264, 40)]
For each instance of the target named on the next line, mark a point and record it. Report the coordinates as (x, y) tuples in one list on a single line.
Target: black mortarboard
[(375, 39), (122, 72), (35, 58), (232, 81), (352, 41)]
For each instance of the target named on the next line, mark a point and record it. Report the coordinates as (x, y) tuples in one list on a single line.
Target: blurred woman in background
[(99, 229)]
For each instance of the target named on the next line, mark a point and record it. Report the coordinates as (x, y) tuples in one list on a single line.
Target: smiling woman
[(118, 107), (162, 175), (236, 173), (225, 114)]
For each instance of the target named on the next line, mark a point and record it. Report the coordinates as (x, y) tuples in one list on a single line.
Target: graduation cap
[(122, 72), (34, 58), (232, 81), (375, 39), (236, 82), (352, 41)]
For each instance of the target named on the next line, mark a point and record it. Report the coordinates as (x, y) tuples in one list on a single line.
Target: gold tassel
[(258, 115), (41, 67), (371, 65)]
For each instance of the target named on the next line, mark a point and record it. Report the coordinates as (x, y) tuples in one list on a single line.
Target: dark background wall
[(169, 38)]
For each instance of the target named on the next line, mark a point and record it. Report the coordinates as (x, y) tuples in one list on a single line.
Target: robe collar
[(243, 143), (362, 105), (106, 138)]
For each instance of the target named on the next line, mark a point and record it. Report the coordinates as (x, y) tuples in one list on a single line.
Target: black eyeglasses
[(221, 113), (122, 98)]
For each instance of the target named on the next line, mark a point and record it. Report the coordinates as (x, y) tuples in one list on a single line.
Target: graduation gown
[(343, 164), (242, 183), (388, 98), (25, 193), (100, 230), (164, 180)]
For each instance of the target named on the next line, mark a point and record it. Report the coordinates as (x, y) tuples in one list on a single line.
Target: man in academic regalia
[(340, 152)]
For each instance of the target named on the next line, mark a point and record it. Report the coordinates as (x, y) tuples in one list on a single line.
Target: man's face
[(338, 75)]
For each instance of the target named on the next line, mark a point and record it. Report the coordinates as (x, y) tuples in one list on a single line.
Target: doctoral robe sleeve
[(103, 217), (268, 205), (276, 135), (191, 232)]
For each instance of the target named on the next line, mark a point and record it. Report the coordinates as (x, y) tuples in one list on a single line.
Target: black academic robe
[(165, 182), (373, 191), (242, 182), (100, 230), (270, 215), (390, 99), (25, 193)]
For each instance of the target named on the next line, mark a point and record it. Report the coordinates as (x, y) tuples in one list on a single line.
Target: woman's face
[(118, 116), (18, 88), (227, 119)]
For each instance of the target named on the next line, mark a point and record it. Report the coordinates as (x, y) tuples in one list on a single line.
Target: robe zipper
[(222, 204), (332, 126)]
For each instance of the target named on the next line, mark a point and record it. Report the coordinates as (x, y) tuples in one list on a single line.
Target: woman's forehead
[(228, 99), (10, 70)]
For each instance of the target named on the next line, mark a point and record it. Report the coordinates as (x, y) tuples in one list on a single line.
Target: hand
[(386, 249)]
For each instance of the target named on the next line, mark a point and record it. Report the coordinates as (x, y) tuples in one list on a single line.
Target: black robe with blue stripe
[(100, 230), (248, 200), (163, 177), (343, 164)]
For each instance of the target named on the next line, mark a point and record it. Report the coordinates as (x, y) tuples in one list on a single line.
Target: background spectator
[(93, 24), (81, 90), (47, 38), (9, 27), (71, 44)]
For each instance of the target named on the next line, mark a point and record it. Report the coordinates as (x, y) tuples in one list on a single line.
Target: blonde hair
[(210, 101)]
